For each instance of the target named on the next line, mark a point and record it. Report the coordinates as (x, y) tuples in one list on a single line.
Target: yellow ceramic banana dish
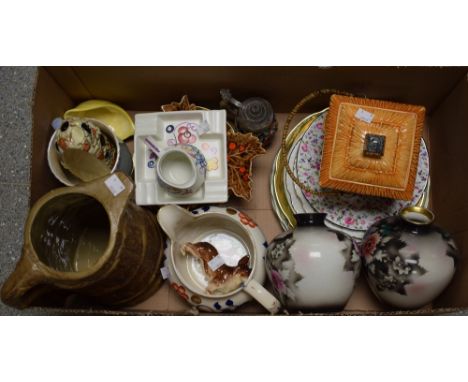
[(107, 112)]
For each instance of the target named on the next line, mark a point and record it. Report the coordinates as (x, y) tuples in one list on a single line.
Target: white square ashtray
[(204, 129)]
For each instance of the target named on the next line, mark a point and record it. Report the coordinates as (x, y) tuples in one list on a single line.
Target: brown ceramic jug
[(86, 241)]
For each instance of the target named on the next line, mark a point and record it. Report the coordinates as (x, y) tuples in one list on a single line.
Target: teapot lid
[(315, 219)]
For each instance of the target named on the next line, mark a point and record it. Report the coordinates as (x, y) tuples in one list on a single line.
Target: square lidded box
[(371, 147)]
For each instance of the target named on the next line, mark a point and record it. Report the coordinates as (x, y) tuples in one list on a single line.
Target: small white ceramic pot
[(312, 267), (233, 234), (408, 260), (181, 169)]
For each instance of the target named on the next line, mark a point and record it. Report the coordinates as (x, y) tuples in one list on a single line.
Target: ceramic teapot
[(254, 115), (91, 240), (197, 240), (408, 260), (312, 267)]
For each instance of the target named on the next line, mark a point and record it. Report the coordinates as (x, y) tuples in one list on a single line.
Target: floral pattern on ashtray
[(186, 136), (352, 211), (212, 164), (196, 154), (187, 133), (183, 133), (200, 161)]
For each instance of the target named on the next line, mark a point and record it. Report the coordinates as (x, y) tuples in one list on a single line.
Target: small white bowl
[(56, 167)]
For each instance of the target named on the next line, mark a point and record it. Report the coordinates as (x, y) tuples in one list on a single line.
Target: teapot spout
[(171, 218)]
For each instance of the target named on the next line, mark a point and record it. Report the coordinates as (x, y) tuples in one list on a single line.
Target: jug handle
[(170, 219), (114, 205), (26, 276)]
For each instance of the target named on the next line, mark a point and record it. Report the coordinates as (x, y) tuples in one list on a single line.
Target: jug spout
[(171, 218), (16, 291)]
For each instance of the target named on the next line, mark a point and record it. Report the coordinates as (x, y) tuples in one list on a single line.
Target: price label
[(114, 184), (216, 262), (164, 273), (363, 115), (203, 127)]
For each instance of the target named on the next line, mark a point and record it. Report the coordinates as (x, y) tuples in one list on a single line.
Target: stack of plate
[(346, 212)]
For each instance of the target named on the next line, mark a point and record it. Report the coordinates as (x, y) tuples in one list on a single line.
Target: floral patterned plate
[(299, 203), (287, 198), (204, 129), (351, 211), (296, 201), (280, 203)]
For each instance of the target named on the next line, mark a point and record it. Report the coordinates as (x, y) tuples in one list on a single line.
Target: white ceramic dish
[(65, 176), (181, 127)]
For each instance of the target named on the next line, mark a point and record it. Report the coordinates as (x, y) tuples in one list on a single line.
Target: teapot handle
[(229, 101), (265, 298)]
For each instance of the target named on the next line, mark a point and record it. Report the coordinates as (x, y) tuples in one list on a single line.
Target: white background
[(233, 33)]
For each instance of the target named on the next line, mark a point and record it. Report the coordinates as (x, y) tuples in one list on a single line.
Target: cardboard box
[(443, 91)]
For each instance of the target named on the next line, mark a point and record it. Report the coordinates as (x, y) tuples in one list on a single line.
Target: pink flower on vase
[(185, 136), (348, 220), (277, 281), (369, 245)]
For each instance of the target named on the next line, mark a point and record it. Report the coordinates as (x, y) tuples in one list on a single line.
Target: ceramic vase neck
[(417, 216)]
